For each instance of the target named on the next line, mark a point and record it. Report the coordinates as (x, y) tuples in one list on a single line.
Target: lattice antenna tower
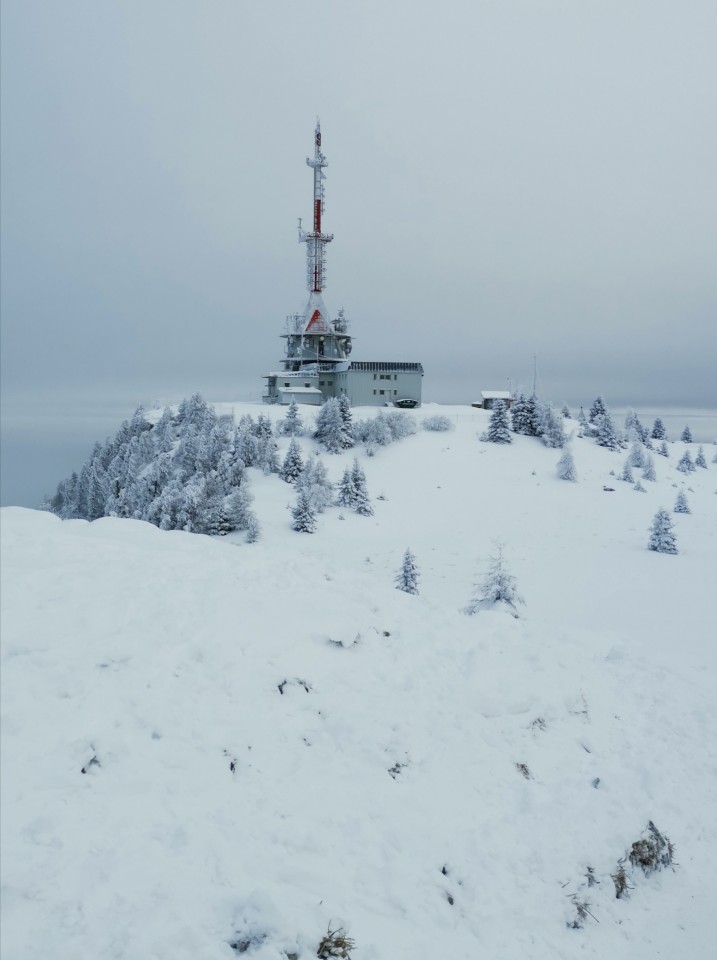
[(315, 239)]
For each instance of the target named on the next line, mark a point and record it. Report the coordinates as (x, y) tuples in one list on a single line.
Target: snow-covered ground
[(276, 740)]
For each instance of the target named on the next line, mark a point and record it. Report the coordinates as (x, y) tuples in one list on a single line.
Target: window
[(374, 393), (395, 376), (287, 384), (307, 384), (382, 392), (395, 392), (374, 376), (322, 383)]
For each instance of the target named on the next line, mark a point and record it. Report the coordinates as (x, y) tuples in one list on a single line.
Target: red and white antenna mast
[(315, 240)]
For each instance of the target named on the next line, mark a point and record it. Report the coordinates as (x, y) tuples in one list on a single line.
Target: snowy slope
[(386, 797)]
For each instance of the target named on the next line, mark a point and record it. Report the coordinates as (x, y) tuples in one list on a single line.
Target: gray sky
[(505, 177)]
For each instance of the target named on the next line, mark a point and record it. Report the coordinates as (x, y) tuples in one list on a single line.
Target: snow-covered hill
[(208, 742)]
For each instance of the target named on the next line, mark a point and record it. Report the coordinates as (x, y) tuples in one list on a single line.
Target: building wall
[(365, 388)]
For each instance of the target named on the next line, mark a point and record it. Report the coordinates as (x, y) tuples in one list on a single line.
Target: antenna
[(314, 239)]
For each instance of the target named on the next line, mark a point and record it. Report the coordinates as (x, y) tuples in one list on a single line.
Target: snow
[(383, 778)]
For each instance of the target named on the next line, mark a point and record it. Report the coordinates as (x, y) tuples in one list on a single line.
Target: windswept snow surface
[(374, 736)]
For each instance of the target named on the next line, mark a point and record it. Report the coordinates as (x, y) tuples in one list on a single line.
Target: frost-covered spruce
[(315, 480), (598, 409), (685, 464), (347, 436), (253, 530), (293, 465), (566, 466), (648, 470), (658, 430), (407, 576), (303, 513), (565, 412), (330, 429), (605, 434), (663, 450), (635, 430), (637, 454), (639, 487), (498, 431), (520, 416), (700, 459), (686, 435), (662, 536), (553, 431), (346, 490), (681, 504), (361, 504), (498, 585), (626, 474), (292, 425)]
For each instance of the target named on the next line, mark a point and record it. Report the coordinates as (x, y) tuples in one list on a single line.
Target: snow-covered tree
[(605, 435), (662, 535), (267, 455), (303, 513), (700, 459), (626, 473), (685, 464), (637, 454), (634, 429), (497, 586), (498, 431), (686, 435), (648, 470), (639, 487), (663, 451), (330, 426), (565, 412), (293, 464), (346, 491), (520, 418), (553, 431), (292, 425), (347, 436), (253, 530), (681, 504), (236, 510), (598, 409), (566, 466), (315, 480), (658, 430), (407, 576), (362, 504)]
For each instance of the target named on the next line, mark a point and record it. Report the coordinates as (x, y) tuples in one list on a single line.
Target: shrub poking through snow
[(582, 912), (566, 466), (662, 536), (639, 487), (438, 422), (498, 431), (681, 504), (407, 576), (652, 852), (498, 585), (619, 878), (335, 943)]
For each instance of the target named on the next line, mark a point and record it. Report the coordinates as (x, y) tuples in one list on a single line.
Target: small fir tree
[(315, 480), (681, 504), (330, 429), (498, 431), (626, 474), (685, 464), (347, 436), (663, 450), (637, 454), (498, 585), (566, 412), (303, 513), (553, 431), (639, 487), (253, 530), (293, 465), (700, 459), (346, 492), (407, 577), (361, 503), (686, 435), (662, 535), (605, 432), (658, 430), (520, 416), (648, 470), (292, 425), (566, 466), (597, 409)]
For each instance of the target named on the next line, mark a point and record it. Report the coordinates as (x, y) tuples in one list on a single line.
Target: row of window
[(382, 393), (385, 376)]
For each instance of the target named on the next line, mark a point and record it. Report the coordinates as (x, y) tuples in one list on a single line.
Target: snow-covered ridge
[(275, 739)]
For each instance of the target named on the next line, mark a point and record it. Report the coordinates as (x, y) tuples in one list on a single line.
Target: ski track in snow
[(390, 787)]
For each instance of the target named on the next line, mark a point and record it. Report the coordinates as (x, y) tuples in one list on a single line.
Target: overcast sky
[(506, 178)]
